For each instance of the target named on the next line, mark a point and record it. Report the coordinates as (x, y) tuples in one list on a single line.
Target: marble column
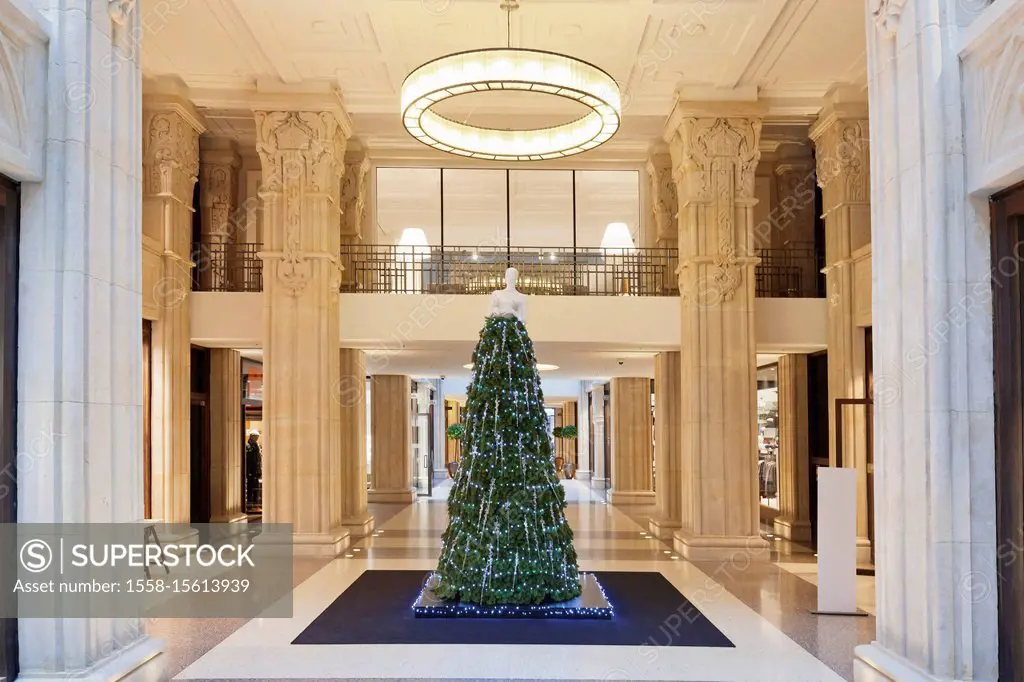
[(79, 332), (352, 398), (170, 154), (632, 447), (302, 153), (601, 473), (391, 421), (225, 436), (668, 512), (841, 139), (714, 155), (355, 190), (583, 471), (664, 210), (936, 553), (794, 520), (218, 197)]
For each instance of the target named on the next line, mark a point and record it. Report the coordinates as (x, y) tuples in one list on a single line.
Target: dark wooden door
[(1007, 213), (147, 418), (199, 428), (9, 236)]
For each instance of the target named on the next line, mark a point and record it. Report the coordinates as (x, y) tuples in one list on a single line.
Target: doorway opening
[(10, 200)]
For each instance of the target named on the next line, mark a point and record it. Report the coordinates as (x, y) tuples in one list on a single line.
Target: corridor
[(761, 608)]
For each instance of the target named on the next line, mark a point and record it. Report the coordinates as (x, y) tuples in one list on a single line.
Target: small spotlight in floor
[(357, 550), (665, 551), (349, 556), (674, 557)]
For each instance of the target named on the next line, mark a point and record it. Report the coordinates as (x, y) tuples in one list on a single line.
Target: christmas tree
[(507, 540)]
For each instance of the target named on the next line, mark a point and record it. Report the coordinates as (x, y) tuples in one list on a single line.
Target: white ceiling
[(790, 51)]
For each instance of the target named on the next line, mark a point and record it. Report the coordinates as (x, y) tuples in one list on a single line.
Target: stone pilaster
[(79, 414), (794, 520), (225, 436), (937, 560), (841, 139), (668, 413), (218, 194), (355, 191), (632, 449), (170, 153), (391, 454), (302, 153), (664, 207), (600, 475), (714, 156), (352, 398)]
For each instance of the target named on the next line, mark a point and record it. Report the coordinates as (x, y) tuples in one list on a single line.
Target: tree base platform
[(590, 604)]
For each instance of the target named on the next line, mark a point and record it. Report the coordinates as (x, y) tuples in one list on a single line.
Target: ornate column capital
[(886, 14), (702, 147), (170, 147), (301, 149), (355, 191), (120, 10), (664, 200), (842, 143)]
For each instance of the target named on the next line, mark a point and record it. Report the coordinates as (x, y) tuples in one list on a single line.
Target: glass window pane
[(604, 197), (540, 208), (475, 210), (408, 199)]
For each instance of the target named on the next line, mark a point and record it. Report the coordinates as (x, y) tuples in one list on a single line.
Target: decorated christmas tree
[(507, 540)]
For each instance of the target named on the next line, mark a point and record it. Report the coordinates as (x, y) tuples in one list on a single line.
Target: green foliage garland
[(507, 540), (569, 432), (456, 432)]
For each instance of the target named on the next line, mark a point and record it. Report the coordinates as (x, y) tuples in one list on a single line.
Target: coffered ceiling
[(787, 52)]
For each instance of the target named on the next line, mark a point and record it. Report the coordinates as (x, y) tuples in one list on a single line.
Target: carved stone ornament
[(171, 156), (886, 14), (120, 10), (665, 202), (704, 143)]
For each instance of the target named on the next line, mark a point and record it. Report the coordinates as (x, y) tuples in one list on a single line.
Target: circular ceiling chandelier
[(512, 69)]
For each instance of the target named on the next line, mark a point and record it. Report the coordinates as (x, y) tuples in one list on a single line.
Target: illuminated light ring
[(511, 69)]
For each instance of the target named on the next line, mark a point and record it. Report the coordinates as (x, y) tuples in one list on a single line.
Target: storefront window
[(768, 435)]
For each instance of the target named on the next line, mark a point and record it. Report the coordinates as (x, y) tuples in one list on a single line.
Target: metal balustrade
[(554, 271)]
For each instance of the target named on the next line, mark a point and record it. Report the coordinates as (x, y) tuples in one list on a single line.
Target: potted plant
[(568, 432), (456, 432)]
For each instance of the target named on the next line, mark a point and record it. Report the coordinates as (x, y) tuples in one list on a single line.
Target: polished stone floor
[(763, 608)]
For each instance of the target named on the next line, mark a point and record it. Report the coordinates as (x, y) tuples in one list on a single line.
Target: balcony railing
[(542, 271), (560, 271), (227, 267), (791, 272)]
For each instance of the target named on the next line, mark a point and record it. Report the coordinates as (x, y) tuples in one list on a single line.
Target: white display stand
[(837, 542)]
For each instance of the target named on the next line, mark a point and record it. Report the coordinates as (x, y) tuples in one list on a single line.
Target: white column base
[(231, 518), (794, 530), (403, 496), (752, 548), (143, 661), (872, 663), (359, 526), (663, 529), (583, 475), (863, 551), (599, 483), (325, 545), (631, 497)]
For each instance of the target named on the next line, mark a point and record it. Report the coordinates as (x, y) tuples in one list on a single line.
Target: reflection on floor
[(763, 609)]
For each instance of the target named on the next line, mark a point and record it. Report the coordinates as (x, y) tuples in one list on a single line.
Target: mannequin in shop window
[(254, 472)]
